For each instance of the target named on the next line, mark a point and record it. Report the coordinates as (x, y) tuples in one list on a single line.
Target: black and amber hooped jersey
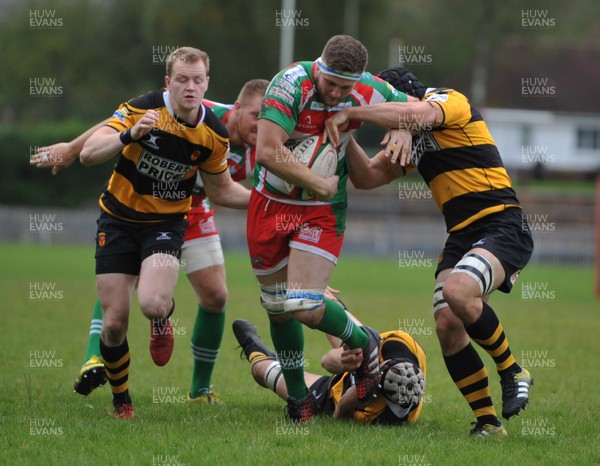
[(395, 344), (461, 164), (154, 177)]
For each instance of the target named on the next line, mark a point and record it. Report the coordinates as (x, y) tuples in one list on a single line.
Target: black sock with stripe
[(470, 376), (116, 360), (487, 332)]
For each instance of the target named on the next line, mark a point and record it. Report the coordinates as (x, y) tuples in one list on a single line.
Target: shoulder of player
[(394, 334), (295, 74), (214, 122), (374, 89), (398, 336), (153, 99), (218, 108), (443, 94)]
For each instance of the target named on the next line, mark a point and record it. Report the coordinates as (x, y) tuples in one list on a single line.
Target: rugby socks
[(470, 376), (488, 333), (93, 348), (116, 361), (206, 340), (336, 322), (288, 339)]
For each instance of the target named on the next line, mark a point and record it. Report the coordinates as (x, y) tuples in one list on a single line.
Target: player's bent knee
[(155, 307), (215, 300), (478, 268), (453, 293)]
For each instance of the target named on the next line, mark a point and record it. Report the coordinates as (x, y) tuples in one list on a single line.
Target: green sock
[(93, 348), (336, 322), (206, 340), (288, 339)]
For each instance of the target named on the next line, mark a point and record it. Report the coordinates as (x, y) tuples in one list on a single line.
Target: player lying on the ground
[(401, 386)]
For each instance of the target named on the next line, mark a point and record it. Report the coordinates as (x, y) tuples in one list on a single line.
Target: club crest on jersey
[(101, 239), (161, 169)]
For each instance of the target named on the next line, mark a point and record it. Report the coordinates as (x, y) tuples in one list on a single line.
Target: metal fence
[(372, 231)]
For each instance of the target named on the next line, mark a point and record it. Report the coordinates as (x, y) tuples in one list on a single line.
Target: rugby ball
[(321, 158)]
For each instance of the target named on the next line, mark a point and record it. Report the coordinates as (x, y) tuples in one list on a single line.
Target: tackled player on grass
[(401, 384)]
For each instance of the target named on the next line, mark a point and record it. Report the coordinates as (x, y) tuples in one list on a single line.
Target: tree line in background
[(68, 64)]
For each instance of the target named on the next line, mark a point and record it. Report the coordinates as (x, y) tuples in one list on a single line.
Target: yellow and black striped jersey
[(154, 177), (461, 164), (395, 344)]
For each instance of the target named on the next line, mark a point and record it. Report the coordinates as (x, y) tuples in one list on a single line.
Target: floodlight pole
[(597, 237), (286, 36)]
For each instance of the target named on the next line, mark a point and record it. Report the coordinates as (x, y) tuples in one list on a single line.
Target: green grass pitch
[(47, 294)]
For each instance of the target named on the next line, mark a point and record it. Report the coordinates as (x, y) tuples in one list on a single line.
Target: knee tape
[(272, 298), (303, 300), (438, 298), (273, 375), (479, 268)]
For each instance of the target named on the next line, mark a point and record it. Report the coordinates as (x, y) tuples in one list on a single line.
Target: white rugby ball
[(321, 158)]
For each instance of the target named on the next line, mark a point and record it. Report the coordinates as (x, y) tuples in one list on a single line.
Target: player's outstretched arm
[(393, 114), (62, 154), (222, 190)]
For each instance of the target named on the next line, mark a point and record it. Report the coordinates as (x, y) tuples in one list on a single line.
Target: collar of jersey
[(167, 100)]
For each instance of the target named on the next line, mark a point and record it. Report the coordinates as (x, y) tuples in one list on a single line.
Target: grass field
[(551, 320)]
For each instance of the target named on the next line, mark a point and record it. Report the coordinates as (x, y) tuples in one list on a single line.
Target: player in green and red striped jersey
[(202, 253), (294, 243)]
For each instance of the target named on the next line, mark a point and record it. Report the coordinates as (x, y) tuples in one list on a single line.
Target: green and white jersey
[(292, 101)]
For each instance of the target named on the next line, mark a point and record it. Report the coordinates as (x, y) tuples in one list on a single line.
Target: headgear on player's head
[(404, 81), (403, 385)]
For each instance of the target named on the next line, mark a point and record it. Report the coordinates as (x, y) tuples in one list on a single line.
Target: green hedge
[(22, 184)]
